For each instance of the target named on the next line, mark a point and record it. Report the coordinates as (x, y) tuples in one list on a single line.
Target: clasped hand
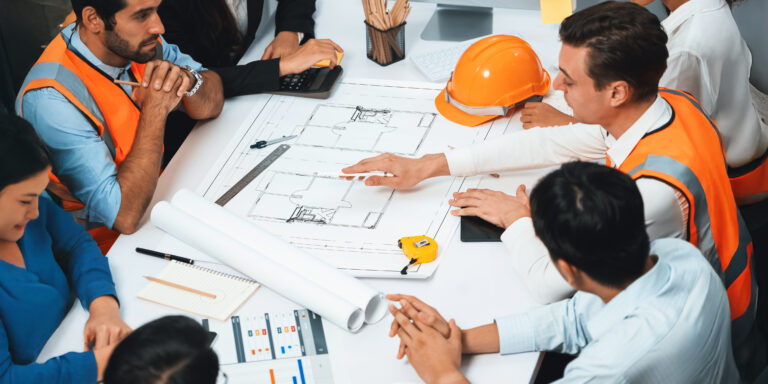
[(104, 330), (163, 85), (433, 345)]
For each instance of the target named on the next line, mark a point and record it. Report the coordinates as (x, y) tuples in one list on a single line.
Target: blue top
[(58, 254), (80, 157), (671, 325)]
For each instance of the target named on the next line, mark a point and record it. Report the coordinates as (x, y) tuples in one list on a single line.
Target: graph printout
[(275, 347)]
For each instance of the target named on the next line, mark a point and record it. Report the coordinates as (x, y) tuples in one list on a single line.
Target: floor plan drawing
[(366, 129), (319, 200), (348, 224)]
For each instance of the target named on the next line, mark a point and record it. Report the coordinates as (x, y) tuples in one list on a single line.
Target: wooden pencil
[(179, 286), (131, 83)]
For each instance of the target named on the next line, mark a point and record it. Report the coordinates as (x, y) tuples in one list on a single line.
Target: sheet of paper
[(282, 347), (348, 224), (555, 11)]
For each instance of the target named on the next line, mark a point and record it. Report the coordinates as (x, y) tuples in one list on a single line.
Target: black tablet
[(477, 230)]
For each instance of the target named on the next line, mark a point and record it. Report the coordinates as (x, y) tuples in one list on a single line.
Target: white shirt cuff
[(460, 162), (520, 230)]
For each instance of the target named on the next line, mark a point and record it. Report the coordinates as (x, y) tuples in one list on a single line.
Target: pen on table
[(264, 143), (131, 83), (166, 256), (179, 286)]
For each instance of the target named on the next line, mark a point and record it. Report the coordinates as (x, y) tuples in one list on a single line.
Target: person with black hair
[(612, 57), (218, 32), (169, 350), (43, 253), (99, 97), (643, 312)]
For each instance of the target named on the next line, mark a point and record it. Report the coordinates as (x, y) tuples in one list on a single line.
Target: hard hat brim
[(457, 116)]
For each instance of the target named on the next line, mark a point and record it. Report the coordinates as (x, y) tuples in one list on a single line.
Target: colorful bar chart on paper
[(280, 347)]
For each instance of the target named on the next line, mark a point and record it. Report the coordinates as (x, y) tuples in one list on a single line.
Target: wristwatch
[(198, 80)]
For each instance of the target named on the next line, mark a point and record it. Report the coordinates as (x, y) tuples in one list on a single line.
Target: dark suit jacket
[(181, 28)]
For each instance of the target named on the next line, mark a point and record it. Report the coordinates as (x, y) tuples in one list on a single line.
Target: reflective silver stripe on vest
[(70, 81), (741, 326), (704, 240)]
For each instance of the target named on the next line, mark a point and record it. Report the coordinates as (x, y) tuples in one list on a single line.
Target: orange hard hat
[(492, 77)]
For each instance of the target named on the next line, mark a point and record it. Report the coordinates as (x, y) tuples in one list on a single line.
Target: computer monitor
[(459, 20)]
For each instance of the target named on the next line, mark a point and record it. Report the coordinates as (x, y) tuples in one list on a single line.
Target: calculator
[(315, 82)]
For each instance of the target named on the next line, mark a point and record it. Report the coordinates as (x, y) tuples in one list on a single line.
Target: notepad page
[(230, 291)]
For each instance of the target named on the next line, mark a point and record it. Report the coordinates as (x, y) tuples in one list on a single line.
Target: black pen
[(264, 143), (166, 256)]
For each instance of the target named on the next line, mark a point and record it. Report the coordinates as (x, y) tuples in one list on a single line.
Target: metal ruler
[(252, 174)]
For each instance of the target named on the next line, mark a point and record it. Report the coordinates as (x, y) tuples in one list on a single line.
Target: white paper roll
[(297, 260), (214, 242)]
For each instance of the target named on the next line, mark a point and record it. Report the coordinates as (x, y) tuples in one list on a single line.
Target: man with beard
[(106, 136)]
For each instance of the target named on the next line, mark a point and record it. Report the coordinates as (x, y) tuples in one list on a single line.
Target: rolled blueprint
[(281, 279), (297, 260)]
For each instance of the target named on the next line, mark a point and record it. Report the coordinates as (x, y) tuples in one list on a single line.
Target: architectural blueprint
[(348, 224)]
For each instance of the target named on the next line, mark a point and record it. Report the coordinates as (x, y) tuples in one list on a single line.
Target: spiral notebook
[(230, 291)]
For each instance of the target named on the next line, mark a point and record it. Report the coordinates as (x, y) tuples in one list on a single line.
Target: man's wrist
[(435, 165), (196, 80)]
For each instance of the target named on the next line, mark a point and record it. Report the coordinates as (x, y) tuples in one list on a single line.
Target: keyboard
[(437, 65)]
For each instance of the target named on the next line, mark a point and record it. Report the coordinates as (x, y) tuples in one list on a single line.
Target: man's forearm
[(139, 171), (482, 339), (208, 100)]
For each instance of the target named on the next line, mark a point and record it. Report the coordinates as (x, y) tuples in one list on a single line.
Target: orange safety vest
[(750, 181), (687, 154), (105, 105)]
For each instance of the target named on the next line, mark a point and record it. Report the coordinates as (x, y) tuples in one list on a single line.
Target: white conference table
[(474, 283)]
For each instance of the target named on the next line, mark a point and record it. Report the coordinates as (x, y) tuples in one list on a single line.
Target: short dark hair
[(106, 10), (591, 216), (626, 42), (172, 350), (22, 153)]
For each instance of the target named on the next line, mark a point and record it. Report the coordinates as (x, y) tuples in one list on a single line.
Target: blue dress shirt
[(80, 157), (58, 254), (671, 325)]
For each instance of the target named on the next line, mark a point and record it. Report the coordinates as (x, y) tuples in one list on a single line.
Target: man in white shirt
[(613, 86), (708, 59), (643, 313)]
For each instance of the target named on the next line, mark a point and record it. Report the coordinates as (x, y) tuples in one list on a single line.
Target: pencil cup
[(385, 46)]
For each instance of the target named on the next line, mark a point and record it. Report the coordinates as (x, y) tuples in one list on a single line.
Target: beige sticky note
[(554, 11), (326, 62)]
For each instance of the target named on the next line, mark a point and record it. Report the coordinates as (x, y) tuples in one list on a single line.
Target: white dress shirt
[(671, 325), (666, 210), (709, 59)]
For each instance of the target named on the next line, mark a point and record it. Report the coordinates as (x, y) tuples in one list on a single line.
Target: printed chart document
[(272, 347), (349, 225)]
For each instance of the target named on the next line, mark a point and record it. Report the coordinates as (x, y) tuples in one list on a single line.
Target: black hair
[(626, 42), (22, 153), (106, 10), (172, 350), (219, 42), (591, 216)]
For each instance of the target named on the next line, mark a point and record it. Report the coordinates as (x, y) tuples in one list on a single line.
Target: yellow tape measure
[(419, 249)]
